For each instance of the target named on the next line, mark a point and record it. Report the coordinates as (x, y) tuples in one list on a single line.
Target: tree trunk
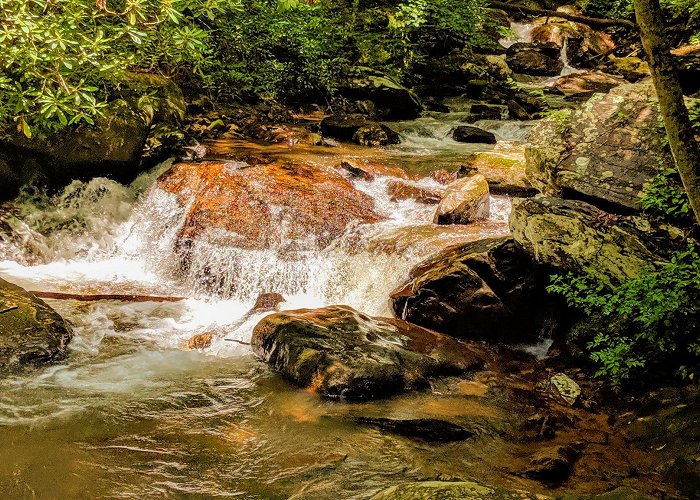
[(684, 147)]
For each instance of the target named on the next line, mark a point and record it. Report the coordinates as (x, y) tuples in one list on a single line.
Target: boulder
[(688, 66), (339, 352), (471, 134), (399, 190), (582, 42), (464, 201), (632, 69), (586, 84), (343, 127), (112, 148), (564, 389), (368, 170), (606, 152), (263, 204), (485, 112), (393, 101), (534, 59), (575, 236), (488, 289), (450, 490), (31, 332), (503, 168), (376, 134)]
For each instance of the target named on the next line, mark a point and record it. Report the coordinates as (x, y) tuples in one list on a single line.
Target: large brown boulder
[(489, 289), (605, 152), (464, 201), (586, 84), (266, 204), (31, 332), (339, 352)]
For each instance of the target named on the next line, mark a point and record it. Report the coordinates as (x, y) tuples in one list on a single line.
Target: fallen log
[(108, 296), (591, 21)]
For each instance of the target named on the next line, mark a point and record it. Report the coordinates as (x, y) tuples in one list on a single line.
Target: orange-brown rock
[(200, 341), (277, 204), (583, 43), (586, 84), (403, 191)]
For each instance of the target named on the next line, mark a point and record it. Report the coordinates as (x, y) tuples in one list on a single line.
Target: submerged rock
[(605, 152), (263, 205), (31, 332), (429, 430), (552, 465), (489, 289), (399, 190), (464, 200), (339, 352), (446, 490), (471, 134), (576, 236)]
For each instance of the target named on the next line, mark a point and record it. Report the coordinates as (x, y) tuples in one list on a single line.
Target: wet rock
[(576, 236), (402, 191), (343, 127), (200, 341), (446, 490), (465, 200), (489, 289), (583, 43), (504, 170), (268, 302), (605, 152), (369, 170), (31, 332), (564, 389), (632, 69), (586, 84), (112, 147), (534, 59), (376, 134), (443, 176), (471, 134), (339, 352), (484, 112), (392, 100), (552, 465), (263, 205), (429, 430)]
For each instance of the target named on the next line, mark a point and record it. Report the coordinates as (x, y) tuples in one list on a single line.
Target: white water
[(101, 237)]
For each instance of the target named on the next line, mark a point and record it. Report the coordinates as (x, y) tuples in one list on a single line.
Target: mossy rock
[(444, 490), (31, 332)]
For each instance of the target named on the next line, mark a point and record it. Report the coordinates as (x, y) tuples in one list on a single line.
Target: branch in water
[(96, 297), (9, 309)]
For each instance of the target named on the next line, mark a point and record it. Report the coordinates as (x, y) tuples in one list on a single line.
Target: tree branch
[(591, 21), (95, 297)]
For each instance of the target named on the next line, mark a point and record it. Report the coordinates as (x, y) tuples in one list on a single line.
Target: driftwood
[(591, 21), (8, 309), (96, 297)]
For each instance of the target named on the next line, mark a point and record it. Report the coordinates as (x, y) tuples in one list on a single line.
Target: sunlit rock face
[(340, 352), (605, 152), (265, 204), (582, 42)]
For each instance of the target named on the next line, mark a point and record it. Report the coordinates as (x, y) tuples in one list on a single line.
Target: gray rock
[(564, 389)]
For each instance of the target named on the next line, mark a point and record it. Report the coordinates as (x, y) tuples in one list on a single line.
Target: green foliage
[(62, 59), (653, 321), (666, 198)]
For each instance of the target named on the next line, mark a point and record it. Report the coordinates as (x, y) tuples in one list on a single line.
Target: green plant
[(666, 198), (61, 60), (653, 320)]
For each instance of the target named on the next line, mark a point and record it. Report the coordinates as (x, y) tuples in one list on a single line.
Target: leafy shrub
[(653, 321), (61, 59), (666, 198)]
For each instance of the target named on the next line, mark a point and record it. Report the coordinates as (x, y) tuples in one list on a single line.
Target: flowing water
[(133, 414)]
